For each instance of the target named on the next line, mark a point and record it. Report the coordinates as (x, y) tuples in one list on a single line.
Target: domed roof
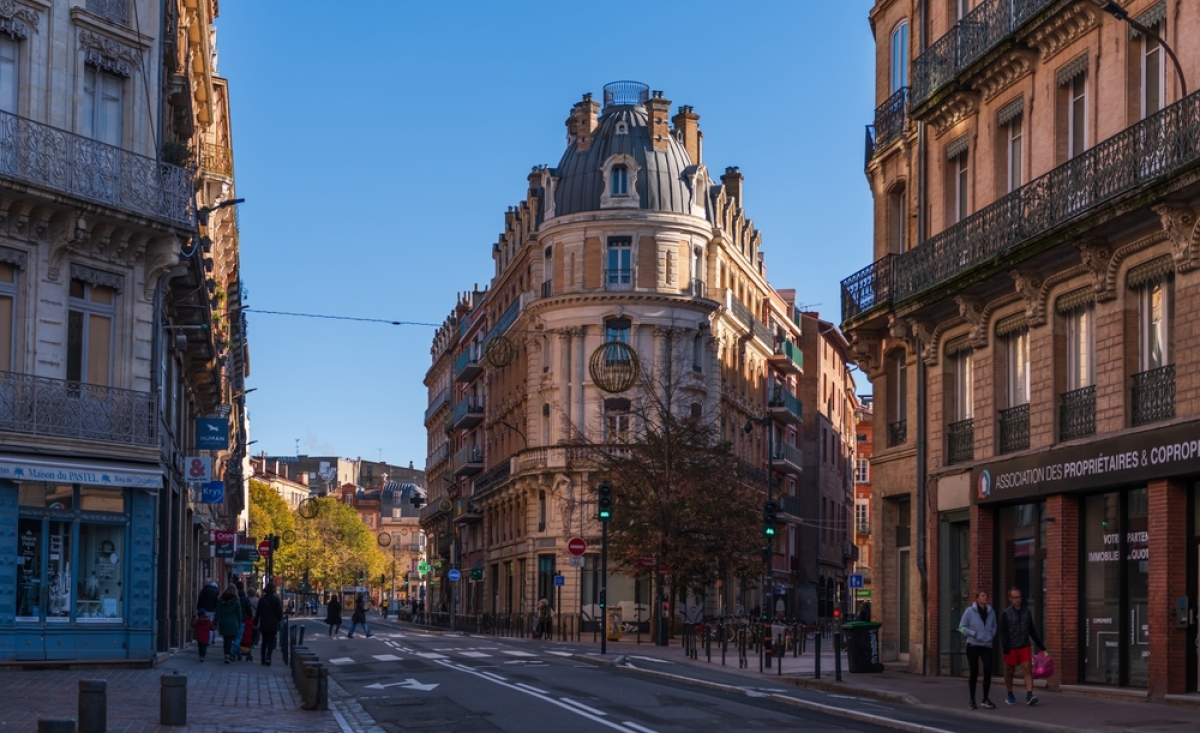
[(658, 178)]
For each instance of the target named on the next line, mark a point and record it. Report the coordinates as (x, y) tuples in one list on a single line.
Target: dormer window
[(620, 181)]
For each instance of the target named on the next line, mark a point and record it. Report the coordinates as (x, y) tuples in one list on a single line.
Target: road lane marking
[(431, 655), (581, 706), (476, 655), (545, 698), (520, 654), (559, 654), (524, 686), (387, 657), (637, 727), (650, 659), (342, 660), (494, 676)]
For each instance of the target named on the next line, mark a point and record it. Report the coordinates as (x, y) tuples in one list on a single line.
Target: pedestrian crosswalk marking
[(431, 655), (387, 657), (342, 660), (521, 654), (561, 654), (475, 655)]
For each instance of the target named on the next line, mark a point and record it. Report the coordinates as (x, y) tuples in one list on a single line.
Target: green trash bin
[(862, 645)]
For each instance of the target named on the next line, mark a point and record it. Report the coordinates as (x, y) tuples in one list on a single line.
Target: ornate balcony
[(506, 320), (972, 37), (891, 118), (960, 441), (61, 409), (1154, 395), (784, 406), (1014, 428), (492, 479), (897, 433), (468, 462), (88, 169), (787, 357), (1158, 146), (618, 280), (1077, 413), (217, 159), (115, 10), (788, 458)]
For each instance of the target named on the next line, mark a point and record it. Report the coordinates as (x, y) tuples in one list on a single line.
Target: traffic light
[(770, 519), (604, 504)]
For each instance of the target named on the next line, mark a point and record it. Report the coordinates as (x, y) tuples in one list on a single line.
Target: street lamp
[(1114, 9)]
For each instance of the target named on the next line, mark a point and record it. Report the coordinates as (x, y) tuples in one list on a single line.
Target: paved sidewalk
[(221, 697)]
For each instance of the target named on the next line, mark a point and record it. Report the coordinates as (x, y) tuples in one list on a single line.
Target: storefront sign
[(212, 433), (224, 543), (862, 593), (1128, 459), (212, 492), (16, 468), (197, 469)]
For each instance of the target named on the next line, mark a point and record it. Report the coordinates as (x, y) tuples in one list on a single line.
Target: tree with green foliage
[(336, 548)]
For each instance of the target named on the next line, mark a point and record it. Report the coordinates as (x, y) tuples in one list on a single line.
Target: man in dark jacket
[(1018, 634), (269, 618), (208, 596)]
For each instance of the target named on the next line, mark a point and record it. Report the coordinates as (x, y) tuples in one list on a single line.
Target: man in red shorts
[(1017, 637)]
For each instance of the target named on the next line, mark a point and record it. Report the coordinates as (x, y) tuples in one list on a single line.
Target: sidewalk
[(221, 697)]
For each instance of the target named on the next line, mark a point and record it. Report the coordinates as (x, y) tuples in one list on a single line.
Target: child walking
[(203, 626)]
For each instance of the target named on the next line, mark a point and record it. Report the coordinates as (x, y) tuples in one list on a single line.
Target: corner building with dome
[(627, 239)]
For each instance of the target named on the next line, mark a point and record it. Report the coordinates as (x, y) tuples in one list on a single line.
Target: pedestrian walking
[(313, 607), (978, 624), (207, 599), (545, 617), (202, 625), (359, 617), (333, 615), (247, 615), (1018, 635), (383, 608), (269, 619), (229, 619)]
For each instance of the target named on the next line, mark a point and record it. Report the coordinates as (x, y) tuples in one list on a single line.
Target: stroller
[(248, 638)]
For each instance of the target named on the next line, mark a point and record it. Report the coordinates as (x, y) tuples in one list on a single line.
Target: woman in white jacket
[(978, 624)]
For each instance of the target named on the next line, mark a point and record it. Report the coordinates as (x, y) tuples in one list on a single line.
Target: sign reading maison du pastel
[(1127, 459), (16, 468)]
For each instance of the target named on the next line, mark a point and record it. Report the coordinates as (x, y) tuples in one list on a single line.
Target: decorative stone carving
[(1029, 287), (1179, 224), (957, 107), (1058, 33), (109, 54), (1004, 73), (864, 350), (161, 255), (66, 234), (13, 19), (1096, 255), (92, 276), (14, 257), (972, 311), (928, 338)]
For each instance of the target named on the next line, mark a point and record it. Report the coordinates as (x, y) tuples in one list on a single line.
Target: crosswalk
[(505, 656)]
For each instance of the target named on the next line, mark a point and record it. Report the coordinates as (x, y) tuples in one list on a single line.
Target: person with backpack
[(978, 624)]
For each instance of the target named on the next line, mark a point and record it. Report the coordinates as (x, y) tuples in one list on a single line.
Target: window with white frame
[(900, 56), (1077, 115), (1013, 144), (103, 102), (8, 316), (963, 375), (1155, 332), (619, 270), (90, 333), (1017, 358), (9, 77), (1081, 347), (862, 511), (1152, 72), (958, 180), (862, 471), (619, 180)]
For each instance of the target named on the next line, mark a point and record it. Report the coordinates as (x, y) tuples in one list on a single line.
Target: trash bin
[(862, 644)]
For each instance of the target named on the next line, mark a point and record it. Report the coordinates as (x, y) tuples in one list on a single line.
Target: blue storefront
[(76, 558)]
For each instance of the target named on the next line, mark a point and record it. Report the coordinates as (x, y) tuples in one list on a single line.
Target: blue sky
[(378, 145)]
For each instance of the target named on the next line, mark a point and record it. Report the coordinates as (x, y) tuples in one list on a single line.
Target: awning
[(99, 473)]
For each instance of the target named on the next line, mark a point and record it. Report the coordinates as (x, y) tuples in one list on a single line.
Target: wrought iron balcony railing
[(217, 159), (505, 321), (468, 460), (493, 478), (1154, 395), (618, 280), (897, 433), (547, 288), (788, 458), (466, 414), (960, 441), (115, 10), (862, 528), (1157, 146), (442, 399), (1014, 428), (697, 288), (891, 117), (62, 409), (1077, 413), (785, 405), (439, 454), (89, 169), (977, 33)]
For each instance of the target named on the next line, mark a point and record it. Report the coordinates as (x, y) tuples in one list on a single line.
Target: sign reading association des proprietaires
[(1126, 459)]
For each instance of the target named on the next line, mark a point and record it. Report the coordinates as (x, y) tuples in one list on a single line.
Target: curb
[(843, 688)]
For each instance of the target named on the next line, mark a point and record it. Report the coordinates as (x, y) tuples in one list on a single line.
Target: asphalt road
[(411, 681)]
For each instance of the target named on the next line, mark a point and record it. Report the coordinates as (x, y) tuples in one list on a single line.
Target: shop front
[(81, 536), (1102, 541)]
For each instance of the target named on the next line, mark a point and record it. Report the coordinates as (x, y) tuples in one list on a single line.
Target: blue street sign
[(560, 580), (856, 581), (454, 575), (212, 433), (212, 492)]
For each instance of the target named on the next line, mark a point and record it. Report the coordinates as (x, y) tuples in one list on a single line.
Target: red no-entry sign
[(264, 548), (576, 546)]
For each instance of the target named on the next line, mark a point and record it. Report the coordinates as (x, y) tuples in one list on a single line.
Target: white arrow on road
[(408, 684)]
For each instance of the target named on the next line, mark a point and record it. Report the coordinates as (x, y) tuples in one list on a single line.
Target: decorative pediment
[(1004, 73), (101, 278), (957, 107), (16, 19), (109, 54), (1057, 33)]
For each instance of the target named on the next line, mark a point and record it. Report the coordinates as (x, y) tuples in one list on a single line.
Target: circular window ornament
[(615, 367), (499, 351)]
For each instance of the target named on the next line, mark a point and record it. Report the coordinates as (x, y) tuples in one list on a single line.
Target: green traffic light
[(769, 531)]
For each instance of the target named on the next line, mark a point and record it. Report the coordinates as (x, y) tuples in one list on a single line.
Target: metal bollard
[(301, 641), (93, 706), (172, 704), (837, 656), (56, 725), (817, 653)]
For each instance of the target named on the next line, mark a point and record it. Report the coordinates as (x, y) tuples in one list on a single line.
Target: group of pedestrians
[(1017, 634), (333, 615), (241, 617)]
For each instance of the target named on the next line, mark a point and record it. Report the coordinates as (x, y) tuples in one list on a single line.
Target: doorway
[(955, 590)]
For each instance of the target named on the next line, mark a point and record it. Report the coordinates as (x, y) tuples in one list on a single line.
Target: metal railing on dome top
[(625, 93)]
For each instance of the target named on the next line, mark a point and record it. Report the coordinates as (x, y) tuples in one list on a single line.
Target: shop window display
[(99, 588), (1116, 547)]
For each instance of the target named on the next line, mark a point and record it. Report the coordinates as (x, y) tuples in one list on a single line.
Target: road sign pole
[(604, 587)]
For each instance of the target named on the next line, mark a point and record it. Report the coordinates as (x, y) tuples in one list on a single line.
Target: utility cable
[(342, 318)]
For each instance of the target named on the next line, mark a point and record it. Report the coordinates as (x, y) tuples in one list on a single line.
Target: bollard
[(56, 725), (316, 690), (299, 662), (837, 656), (172, 704), (817, 653), (767, 646), (301, 641), (93, 706)]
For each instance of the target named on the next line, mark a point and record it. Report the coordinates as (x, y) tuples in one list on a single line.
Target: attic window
[(620, 180), (622, 128)]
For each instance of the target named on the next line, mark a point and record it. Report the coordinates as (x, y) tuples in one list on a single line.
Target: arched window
[(900, 57), (620, 180)]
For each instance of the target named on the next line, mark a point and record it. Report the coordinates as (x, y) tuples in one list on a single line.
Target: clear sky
[(378, 144)]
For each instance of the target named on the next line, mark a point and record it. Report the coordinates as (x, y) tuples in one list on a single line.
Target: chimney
[(657, 110), (687, 130), (410, 465), (732, 183), (585, 117)]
